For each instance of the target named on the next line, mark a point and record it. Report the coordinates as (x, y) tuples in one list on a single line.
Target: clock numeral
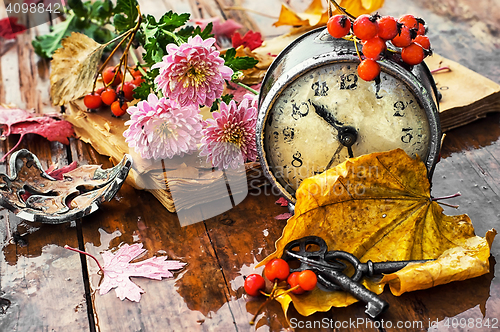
[(298, 111), (276, 136), (289, 133), (407, 137), (320, 89), (348, 81), (297, 162), (401, 106)]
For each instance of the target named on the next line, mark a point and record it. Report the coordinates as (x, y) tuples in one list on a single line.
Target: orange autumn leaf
[(316, 15), (379, 208)]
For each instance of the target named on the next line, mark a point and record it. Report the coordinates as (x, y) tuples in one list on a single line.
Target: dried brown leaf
[(73, 68)]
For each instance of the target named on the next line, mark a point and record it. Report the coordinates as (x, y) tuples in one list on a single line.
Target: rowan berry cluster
[(115, 92), (406, 35), (276, 271)]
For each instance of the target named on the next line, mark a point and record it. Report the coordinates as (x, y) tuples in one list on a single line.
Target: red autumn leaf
[(58, 173), (282, 201), (9, 116), (9, 28), (251, 40), (18, 121), (50, 128), (283, 216)]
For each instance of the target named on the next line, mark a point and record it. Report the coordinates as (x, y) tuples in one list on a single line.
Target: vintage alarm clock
[(314, 111)]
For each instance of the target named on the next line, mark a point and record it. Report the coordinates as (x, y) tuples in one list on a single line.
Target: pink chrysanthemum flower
[(193, 73), (162, 129), (229, 138)]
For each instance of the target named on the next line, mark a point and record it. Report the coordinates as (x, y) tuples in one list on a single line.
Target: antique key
[(329, 270)]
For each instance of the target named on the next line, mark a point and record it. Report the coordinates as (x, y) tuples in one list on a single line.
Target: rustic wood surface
[(44, 287)]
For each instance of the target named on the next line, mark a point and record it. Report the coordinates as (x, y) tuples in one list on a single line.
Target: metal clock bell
[(314, 111)]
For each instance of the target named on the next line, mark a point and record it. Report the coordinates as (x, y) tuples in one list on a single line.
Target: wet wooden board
[(41, 283), (208, 294)]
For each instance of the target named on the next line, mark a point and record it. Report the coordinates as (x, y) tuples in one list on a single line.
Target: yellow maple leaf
[(379, 208)]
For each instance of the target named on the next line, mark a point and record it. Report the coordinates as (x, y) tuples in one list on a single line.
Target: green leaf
[(78, 8), (142, 91), (102, 10), (238, 63), (188, 31), (215, 105), (46, 45), (125, 14), (171, 21), (227, 98)]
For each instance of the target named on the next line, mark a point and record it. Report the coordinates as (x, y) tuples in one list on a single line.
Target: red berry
[(387, 27), (409, 21), (423, 41), (117, 110), (293, 280), (277, 269), (368, 69), (253, 284), (128, 90), (365, 27), (403, 39), (338, 26), (373, 47), (413, 54), (421, 29), (108, 96), (100, 90), (307, 280), (136, 72), (92, 101), (108, 76), (137, 81)]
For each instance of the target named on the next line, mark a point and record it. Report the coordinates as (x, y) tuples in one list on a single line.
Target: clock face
[(329, 114)]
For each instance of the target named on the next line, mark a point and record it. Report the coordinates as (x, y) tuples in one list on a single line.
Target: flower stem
[(177, 40), (137, 63), (85, 253), (255, 92)]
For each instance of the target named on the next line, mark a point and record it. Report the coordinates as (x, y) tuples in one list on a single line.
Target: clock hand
[(323, 112), (333, 157), (347, 135)]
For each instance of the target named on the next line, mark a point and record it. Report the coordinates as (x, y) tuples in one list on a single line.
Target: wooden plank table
[(44, 287)]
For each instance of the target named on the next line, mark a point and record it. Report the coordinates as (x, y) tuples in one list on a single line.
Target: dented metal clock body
[(315, 112)]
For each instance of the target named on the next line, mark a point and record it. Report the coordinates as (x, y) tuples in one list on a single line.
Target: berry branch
[(375, 32), (342, 10)]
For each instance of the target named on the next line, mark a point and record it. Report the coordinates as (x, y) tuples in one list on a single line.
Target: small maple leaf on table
[(117, 270)]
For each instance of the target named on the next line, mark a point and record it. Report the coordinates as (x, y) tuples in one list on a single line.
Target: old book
[(466, 95), (185, 183)]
